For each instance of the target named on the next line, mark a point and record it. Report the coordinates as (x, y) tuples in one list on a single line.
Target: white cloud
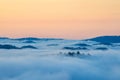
[(99, 67)]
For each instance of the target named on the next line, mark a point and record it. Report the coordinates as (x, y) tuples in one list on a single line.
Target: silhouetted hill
[(34, 39), (28, 38), (3, 38), (28, 47), (29, 41), (82, 44), (107, 39), (7, 46), (75, 48), (101, 48)]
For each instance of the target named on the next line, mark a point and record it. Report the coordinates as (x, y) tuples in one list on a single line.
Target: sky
[(70, 19)]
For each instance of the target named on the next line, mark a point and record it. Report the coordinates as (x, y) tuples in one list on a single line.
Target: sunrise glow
[(71, 19)]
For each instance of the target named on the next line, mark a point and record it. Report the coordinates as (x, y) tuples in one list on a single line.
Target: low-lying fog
[(102, 65)]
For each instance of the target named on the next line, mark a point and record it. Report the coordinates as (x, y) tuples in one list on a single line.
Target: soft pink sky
[(71, 19)]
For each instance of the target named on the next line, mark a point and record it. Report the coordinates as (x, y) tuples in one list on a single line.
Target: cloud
[(98, 67)]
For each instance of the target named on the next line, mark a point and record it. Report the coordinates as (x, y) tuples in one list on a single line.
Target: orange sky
[(71, 19)]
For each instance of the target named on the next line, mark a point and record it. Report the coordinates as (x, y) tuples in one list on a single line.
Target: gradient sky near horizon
[(71, 19)]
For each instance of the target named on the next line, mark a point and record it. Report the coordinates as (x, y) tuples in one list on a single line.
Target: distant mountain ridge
[(33, 38), (29, 38), (4, 38), (106, 39), (102, 39)]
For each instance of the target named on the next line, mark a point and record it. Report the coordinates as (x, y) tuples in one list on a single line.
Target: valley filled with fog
[(59, 59)]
